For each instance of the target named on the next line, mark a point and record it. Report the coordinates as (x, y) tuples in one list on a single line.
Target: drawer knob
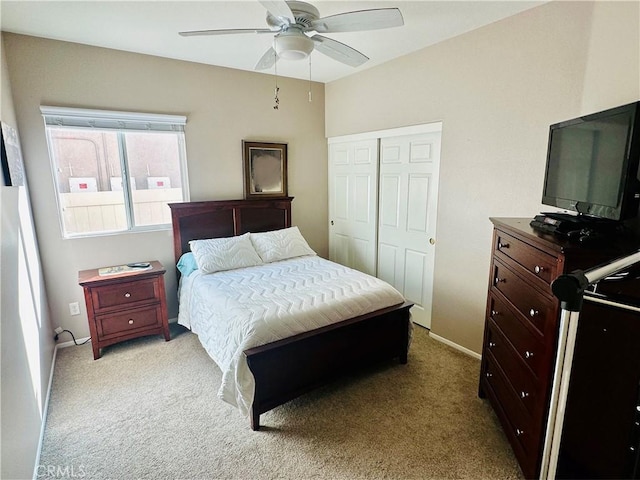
[(538, 269), (524, 394), (528, 354), (130, 321), (489, 374), (519, 432), (533, 312), (127, 295), (495, 313), (500, 280), (492, 344), (502, 245)]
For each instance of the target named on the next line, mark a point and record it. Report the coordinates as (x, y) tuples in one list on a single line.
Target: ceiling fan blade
[(339, 51), (358, 21), (279, 9), (225, 31), (267, 60)]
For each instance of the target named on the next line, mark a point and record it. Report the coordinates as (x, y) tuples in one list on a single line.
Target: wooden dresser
[(123, 306), (521, 329)]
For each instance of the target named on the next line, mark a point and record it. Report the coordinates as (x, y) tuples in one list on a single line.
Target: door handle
[(432, 241)]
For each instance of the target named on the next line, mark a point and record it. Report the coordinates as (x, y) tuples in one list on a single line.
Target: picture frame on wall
[(11, 157), (265, 169)]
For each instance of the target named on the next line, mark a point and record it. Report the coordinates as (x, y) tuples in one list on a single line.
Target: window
[(115, 171)]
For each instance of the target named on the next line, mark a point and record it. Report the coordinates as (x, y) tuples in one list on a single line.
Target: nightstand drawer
[(120, 324), (125, 294)]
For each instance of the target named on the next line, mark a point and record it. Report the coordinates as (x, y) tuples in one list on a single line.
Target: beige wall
[(222, 106), (27, 340), (496, 90)]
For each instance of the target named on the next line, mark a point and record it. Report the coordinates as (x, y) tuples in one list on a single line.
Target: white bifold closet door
[(383, 194)]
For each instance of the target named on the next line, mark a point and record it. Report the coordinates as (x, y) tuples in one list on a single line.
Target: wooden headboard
[(225, 218)]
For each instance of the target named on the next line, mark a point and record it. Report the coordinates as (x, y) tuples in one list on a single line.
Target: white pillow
[(281, 244), (217, 254)]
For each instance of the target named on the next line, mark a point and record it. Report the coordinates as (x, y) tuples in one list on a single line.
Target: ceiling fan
[(297, 25)]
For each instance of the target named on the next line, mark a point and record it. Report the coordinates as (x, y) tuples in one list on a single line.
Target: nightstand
[(125, 305)]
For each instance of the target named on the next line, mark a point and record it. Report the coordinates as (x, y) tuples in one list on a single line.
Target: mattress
[(234, 310)]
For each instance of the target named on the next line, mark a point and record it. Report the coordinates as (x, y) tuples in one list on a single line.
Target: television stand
[(582, 227)]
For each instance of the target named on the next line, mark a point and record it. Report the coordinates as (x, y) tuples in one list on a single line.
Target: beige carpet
[(148, 409)]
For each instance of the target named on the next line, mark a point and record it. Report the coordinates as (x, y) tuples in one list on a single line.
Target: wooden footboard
[(285, 369)]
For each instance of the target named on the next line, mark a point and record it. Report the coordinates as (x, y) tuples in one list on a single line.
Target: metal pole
[(559, 392), (570, 290)]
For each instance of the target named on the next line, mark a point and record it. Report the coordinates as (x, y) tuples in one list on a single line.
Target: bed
[(284, 368)]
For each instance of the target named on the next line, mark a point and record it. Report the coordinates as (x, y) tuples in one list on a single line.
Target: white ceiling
[(152, 27)]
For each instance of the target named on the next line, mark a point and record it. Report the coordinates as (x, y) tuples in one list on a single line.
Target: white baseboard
[(45, 411), (71, 343), (471, 353)]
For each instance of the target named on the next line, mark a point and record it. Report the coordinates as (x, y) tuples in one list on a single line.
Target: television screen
[(588, 164)]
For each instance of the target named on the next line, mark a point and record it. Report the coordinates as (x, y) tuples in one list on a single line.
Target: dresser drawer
[(539, 264), (526, 341), (125, 294), (121, 324), (519, 425), (530, 303), (520, 377)]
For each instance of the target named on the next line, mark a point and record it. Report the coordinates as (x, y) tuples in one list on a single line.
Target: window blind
[(111, 120)]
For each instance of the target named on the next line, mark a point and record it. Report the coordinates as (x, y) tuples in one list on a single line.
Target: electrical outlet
[(58, 330), (74, 308)]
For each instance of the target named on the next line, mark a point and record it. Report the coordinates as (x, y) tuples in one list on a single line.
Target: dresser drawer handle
[(489, 374), (127, 295), (533, 312), (528, 354), (495, 313), (500, 280), (524, 394), (492, 344), (538, 269), (502, 245), (519, 432), (130, 321)]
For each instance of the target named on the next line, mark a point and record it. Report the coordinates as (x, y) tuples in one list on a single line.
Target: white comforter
[(235, 310)]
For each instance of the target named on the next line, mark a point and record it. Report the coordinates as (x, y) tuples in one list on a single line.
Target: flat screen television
[(592, 164)]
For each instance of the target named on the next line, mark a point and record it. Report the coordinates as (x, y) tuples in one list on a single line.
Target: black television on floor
[(592, 165)]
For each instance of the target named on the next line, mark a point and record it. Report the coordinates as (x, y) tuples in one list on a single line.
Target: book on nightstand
[(131, 267)]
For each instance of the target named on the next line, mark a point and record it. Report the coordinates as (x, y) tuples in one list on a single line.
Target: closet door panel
[(414, 277), (408, 175), (353, 213), (387, 263)]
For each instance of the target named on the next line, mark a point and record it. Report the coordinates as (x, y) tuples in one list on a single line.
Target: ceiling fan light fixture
[(292, 45)]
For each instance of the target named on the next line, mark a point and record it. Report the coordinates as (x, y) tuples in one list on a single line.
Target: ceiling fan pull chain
[(310, 99), (277, 89)]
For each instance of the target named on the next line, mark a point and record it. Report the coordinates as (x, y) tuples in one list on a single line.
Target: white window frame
[(117, 122)]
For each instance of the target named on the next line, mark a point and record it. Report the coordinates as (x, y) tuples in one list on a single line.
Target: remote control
[(139, 265)]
